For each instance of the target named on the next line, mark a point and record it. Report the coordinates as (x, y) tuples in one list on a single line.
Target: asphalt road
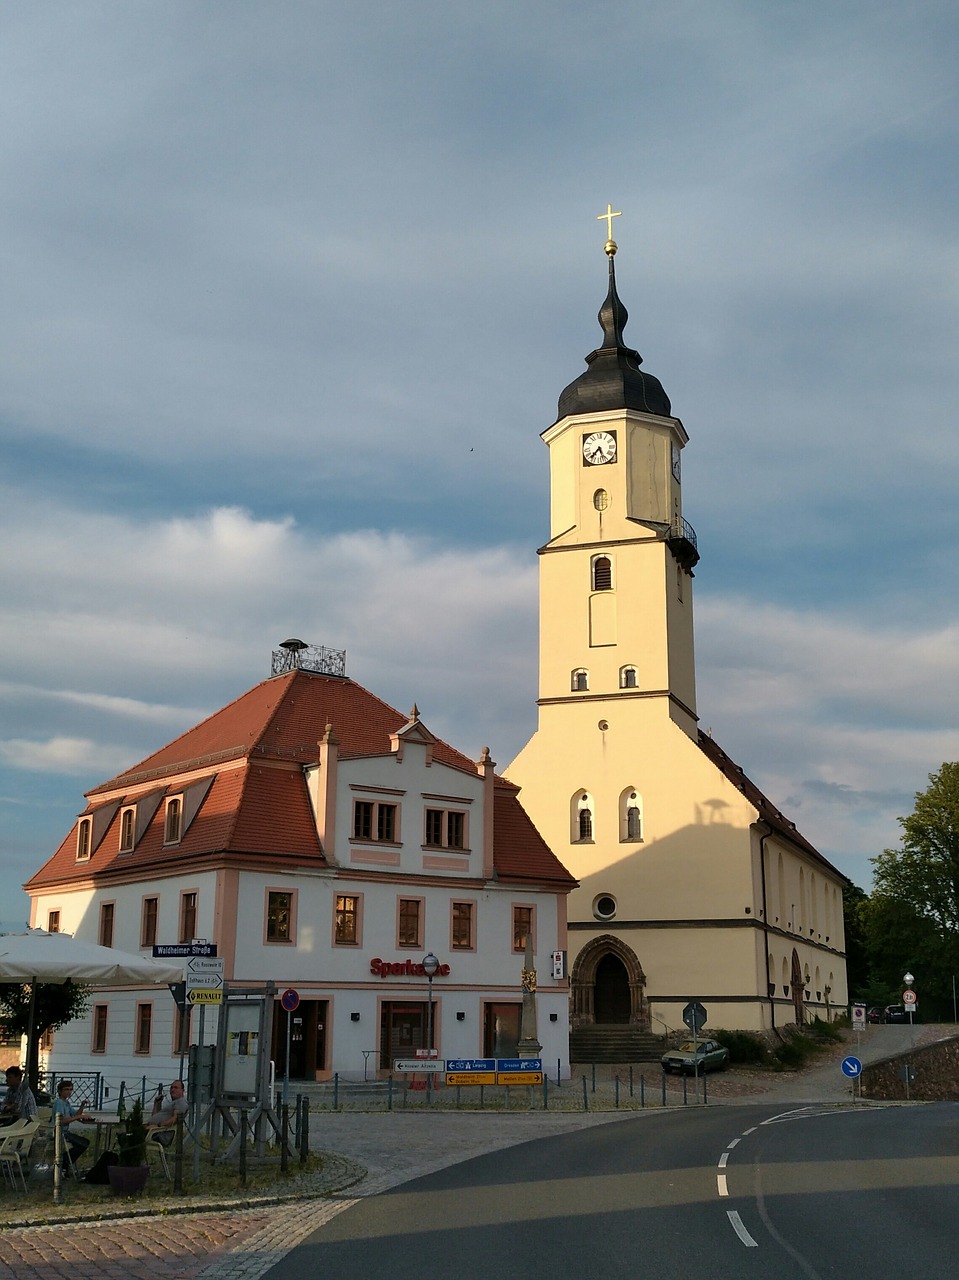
[(761, 1191)]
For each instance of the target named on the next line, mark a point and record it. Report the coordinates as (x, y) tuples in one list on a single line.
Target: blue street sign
[(519, 1064), (851, 1067), (471, 1064)]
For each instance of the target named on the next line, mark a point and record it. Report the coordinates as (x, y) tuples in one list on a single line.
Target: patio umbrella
[(38, 956)]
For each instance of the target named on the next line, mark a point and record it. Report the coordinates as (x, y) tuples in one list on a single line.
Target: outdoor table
[(105, 1122)]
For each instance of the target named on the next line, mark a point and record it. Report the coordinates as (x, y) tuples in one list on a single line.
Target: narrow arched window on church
[(585, 824), (631, 816), (580, 681), (581, 817), (602, 574), (628, 678)]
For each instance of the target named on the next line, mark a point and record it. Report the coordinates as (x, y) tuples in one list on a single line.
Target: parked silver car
[(707, 1055)]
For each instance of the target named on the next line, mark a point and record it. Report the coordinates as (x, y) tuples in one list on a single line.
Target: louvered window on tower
[(602, 574)]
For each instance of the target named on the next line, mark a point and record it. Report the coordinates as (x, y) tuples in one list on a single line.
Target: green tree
[(855, 904), (914, 910), (57, 1003)]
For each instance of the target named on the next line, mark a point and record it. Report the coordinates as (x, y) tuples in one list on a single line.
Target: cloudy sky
[(290, 290)]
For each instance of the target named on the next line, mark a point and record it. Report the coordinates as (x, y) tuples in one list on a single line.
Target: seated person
[(19, 1103), (165, 1112), (63, 1107)]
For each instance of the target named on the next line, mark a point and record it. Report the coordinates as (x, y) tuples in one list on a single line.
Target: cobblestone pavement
[(374, 1151)]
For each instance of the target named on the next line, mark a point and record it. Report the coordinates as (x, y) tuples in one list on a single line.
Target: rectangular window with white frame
[(53, 922), (280, 916), (445, 829), (98, 1038), (143, 1032), (524, 926), (188, 915), (347, 920), (149, 915), (462, 925), (107, 919), (376, 821), (409, 922), (182, 1022)]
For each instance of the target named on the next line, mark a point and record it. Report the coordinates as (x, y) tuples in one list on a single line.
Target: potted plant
[(128, 1176)]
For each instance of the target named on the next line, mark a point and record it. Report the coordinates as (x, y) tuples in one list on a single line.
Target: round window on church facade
[(604, 907)]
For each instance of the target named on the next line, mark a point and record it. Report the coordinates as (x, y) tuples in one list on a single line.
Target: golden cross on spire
[(608, 217)]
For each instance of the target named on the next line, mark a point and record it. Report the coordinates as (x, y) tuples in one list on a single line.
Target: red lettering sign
[(403, 969)]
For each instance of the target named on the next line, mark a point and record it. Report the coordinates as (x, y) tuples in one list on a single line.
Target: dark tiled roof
[(767, 811)]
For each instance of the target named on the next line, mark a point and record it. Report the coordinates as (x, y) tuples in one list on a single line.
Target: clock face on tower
[(599, 447)]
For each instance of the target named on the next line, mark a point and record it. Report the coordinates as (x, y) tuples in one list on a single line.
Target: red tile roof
[(254, 749)]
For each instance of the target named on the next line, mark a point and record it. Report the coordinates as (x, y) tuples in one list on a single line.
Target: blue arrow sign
[(470, 1064), (519, 1064), (851, 1067)]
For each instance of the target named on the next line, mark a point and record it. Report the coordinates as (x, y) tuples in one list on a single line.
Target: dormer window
[(84, 839), (127, 828), (173, 820)]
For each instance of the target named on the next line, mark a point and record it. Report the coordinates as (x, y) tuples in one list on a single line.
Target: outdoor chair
[(15, 1143), (154, 1144)]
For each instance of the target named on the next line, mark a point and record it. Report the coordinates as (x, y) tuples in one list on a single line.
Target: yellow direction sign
[(519, 1077), (470, 1077), (201, 996)]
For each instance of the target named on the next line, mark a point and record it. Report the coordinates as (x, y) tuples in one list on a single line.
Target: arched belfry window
[(579, 681), (602, 573), (628, 678), (631, 816), (581, 818)]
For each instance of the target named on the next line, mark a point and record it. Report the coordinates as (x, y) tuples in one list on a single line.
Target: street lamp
[(430, 966), (908, 979)]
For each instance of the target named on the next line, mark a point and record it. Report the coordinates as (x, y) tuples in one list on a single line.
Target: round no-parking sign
[(290, 999)]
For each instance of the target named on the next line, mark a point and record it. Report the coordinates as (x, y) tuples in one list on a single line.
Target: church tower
[(616, 616), (675, 850)]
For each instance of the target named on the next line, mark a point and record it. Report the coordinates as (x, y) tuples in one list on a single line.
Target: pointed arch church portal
[(608, 986)]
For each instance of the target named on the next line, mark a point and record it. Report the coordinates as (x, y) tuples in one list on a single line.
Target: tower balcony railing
[(681, 540)]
